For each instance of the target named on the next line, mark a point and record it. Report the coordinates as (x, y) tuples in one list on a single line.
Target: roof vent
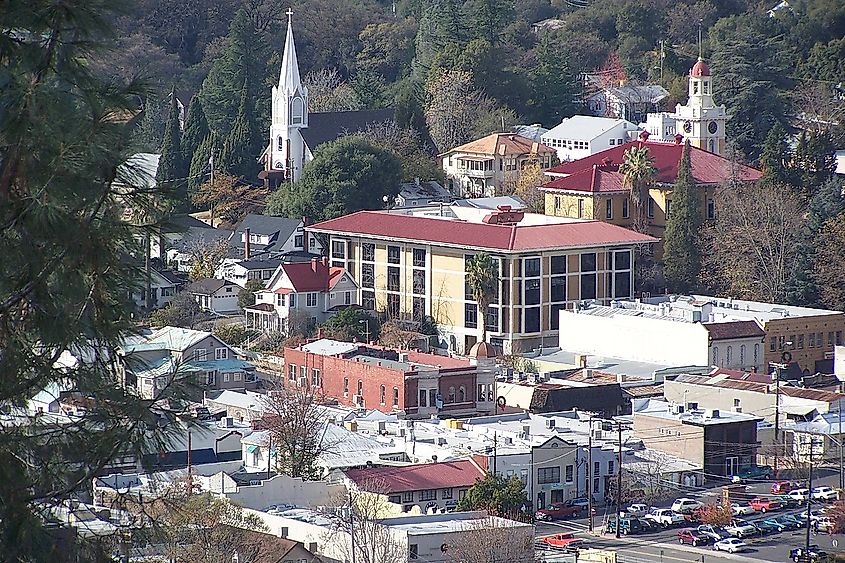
[(678, 139)]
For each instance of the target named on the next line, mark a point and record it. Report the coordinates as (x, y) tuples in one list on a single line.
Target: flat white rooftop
[(728, 309)]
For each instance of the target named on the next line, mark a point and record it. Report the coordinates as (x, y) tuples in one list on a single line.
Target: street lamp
[(366, 323)]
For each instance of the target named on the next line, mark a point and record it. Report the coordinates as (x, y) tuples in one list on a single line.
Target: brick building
[(388, 380)]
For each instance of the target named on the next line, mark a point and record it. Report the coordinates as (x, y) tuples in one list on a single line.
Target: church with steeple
[(700, 121), (295, 133)]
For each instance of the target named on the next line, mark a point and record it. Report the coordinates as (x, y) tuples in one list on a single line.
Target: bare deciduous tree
[(327, 91), (754, 240), (491, 540), (297, 427), (359, 527), (205, 256)]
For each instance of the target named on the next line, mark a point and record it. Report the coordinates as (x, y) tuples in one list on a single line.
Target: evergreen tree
[(244, 60), (489, 17), (775, 156), (150, 132), (556, 91), (171, 176), (240, 149), (200, 165), (65, 280), (681, 254), (440, 25), (370, 90), (803, 289), (196, 129)]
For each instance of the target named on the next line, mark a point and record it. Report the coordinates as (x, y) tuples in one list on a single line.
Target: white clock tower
[(701, 121), (290, 114)]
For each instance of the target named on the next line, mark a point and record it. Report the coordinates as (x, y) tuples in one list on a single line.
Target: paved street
[(662, 546)]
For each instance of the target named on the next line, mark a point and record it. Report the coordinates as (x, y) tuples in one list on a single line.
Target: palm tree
[(482, 274), (638, 169)]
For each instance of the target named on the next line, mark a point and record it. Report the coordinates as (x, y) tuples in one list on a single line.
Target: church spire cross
[(289, 14)]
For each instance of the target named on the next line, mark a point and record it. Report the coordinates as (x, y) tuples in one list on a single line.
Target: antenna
[(699, 39)]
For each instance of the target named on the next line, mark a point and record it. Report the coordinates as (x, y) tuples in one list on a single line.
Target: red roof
[(700, 69), (707, 167), (312, 276), (387, 480), (574, 234), (597, 179), (734, 329)]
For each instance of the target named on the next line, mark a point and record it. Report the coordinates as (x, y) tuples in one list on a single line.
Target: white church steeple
[(290, 114)]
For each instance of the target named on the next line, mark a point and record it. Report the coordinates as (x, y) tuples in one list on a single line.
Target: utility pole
[(495, 452), (809, 501), (839, 443), (211, 181), (190, 478), (590, 476), (366, 323), (786, 358), (269, 453), (352, 525), (619, 483)]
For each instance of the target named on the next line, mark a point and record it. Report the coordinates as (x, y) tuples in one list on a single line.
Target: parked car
[(827, 494), (731, 545), (764, 504), (581, 502), (738, 509), (825, 524), (649, 525), (665, 517), (767, 528), (791, 520), (566, 540), (686, 505), (799, 494), (777, 524), (781, 487), (556, 511), (754, 473), (815, 516), (715, 533), (800, 555), (636, 511), (627, 526), (693, 537), (787, 501), (741, 528)]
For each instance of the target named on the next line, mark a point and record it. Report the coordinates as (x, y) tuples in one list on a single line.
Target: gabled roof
[(278, 229), (312, 276), (652, 93), (328, 126), (707, 167), (734, 329), (464, 234), (595, 179), (420, 477), (208, 286), (176, 338), (586, 127), (503, 144)]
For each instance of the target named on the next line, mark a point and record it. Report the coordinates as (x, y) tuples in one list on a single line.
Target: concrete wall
[(635, 338), (280, 489)]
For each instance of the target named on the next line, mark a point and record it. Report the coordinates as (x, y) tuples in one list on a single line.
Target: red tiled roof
[(596, 179), (734, 329), (312, 276), (420, 477), (707, 167), (575, 234)]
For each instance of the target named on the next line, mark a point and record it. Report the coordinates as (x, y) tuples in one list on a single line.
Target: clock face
[(688, 126), (712, 127)]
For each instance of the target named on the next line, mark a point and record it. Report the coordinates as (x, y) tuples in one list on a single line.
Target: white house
[(484, 166), (628, 101), (216, 296), (661, 335), (306, 291), (150, 362), (163, 287), (580, 136)]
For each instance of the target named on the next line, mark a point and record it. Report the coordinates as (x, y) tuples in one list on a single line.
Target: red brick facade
[(383, 385)]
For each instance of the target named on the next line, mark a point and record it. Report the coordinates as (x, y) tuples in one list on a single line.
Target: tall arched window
[(742, 355), (451, 395), (280, 143), (462, 394), (728, 357), (715, 355), (297, 111), (711, 145)]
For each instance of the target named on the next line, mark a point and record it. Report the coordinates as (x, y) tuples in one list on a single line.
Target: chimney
[(319, 332), (325, 261), (246, 244), (304, 221), (644, 136), (314, 265), (678, 139), (607, 161)]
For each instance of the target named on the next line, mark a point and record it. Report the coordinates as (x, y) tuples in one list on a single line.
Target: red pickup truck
[(556, 511), (565, 540), (765, 504)]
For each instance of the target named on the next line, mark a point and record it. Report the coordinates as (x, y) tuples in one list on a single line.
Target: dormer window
[(297, 111)]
